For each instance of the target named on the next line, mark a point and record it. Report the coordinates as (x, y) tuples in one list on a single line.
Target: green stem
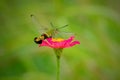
[(58, 55), (58, 68)]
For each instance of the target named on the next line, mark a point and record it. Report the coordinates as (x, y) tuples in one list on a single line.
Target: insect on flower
[(59, 43), (46, 33)]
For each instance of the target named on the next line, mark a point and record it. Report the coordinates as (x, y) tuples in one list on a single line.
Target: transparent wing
[(56, 31), (66, 34), (39, 27), (63, 34), (52, 25), (62, 27)]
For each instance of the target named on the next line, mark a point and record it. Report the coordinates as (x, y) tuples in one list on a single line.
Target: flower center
[(57, 39)]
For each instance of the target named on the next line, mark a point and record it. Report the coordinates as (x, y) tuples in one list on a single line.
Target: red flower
[(59, 43)]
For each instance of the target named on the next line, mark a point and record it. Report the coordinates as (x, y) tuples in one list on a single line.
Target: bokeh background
[(96, 23)]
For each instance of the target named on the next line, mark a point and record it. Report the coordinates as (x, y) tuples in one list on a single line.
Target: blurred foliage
[(96, 23)]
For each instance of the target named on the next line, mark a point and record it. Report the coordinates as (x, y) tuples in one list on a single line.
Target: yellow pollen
[(57, 40)]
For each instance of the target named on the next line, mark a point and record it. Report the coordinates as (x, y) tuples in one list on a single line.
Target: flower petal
[(74, 43), (44, 43), (70, 39), (50, 40)]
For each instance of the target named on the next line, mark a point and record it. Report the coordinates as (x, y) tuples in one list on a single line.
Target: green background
[(96, 23)]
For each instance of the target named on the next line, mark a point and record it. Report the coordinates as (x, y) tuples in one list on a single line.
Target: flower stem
[(58, 69), (58, 55)]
